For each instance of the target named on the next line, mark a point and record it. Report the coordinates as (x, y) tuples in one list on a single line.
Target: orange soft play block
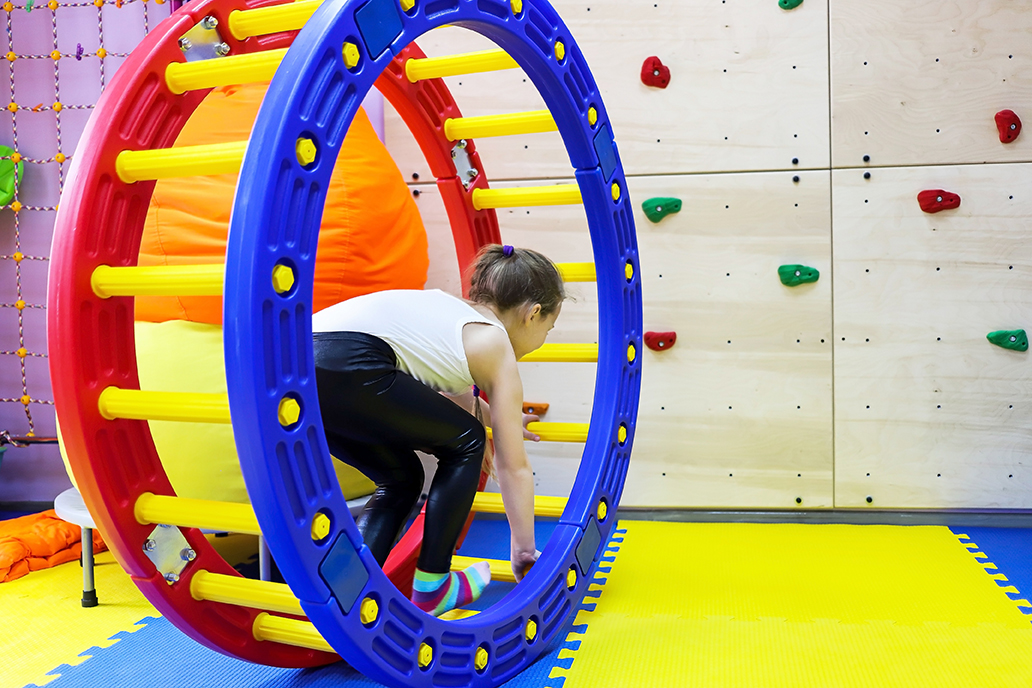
[(372, 237), (39, 541)]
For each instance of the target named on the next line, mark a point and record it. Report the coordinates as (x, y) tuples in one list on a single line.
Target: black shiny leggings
[(375, 416)]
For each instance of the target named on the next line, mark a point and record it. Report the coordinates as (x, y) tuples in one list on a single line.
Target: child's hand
[(522, 562), (527, 434)]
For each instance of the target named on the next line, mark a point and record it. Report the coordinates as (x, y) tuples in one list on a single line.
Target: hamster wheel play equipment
[(351, 606)]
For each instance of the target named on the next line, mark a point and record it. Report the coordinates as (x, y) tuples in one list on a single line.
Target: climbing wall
[(797, 134), (58, 56)]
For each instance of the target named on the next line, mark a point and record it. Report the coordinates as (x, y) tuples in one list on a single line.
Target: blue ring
[(268, 341)]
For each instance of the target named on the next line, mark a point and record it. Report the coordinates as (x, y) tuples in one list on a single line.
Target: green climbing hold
[(7, 175), (789, 4), (658, 208), (794, 275), (1015, 340)]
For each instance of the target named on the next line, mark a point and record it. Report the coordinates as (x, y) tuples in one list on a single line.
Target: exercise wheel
[(355, 609)]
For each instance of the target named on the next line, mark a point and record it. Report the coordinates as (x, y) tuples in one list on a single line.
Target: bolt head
[(531, 631), (289, 411), (222, 49), (461, 143), (471, 172), (305, 150), (172, 577), (187, 554), (369, 611), (185, 44), (282, 279), (209, 22), (426, 655), (150, 545)]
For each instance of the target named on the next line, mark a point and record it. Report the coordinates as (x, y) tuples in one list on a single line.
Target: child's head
[(521, 284)]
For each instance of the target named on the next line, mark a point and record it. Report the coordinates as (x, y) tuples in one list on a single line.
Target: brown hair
[(508, 277)]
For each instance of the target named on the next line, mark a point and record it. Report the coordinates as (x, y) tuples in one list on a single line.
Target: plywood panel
[(748, 91), (927, 412), (919, 82), (745, 341)]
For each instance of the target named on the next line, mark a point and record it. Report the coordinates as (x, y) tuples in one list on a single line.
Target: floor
[(678, 604)]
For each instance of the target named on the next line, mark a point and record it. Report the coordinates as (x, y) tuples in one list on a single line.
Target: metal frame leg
[(264, 560), (89, 593)]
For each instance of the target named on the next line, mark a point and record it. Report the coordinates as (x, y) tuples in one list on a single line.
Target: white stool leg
[(89, 594), (264, 560)]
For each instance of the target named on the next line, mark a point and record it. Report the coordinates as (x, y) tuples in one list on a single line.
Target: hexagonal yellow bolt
[(571, 578), (480, 659), (282, 278), (560, 51), (321, 528), (631, 353), (369, 611), (603, 510), (531, 631), (407, 4), (616, 191), (305, 150), (592, 116), (621, 434), (629, 270), (517, 6), (289, 411), (426, 655), (351, 55)]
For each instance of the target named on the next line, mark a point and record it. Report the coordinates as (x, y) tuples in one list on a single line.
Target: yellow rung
[(534, 122), (225, 71), (187, 407), (221, 517), (265, 20), (419, 69), (244, 592), (289, 632), (491, 503), (577, 272), (524, 196), (501, 570), (563, 353), (157, 280), (182, 161), (556, 432)]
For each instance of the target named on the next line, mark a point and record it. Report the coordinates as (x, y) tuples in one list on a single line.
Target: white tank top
[(424, 327)]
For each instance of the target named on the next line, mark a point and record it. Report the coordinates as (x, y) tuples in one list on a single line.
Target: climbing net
[(29, 159)]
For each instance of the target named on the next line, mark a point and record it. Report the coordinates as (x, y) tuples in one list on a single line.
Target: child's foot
[(436, 593)]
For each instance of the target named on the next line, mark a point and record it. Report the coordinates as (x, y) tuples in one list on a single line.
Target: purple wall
[(36, 82)]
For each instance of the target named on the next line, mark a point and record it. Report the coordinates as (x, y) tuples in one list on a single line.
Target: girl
[(380, 361)]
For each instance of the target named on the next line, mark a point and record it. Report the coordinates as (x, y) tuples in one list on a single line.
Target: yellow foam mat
[(44, 625), (761, 605)]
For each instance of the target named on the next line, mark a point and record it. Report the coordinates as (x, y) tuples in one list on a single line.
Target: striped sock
[(436, 593)]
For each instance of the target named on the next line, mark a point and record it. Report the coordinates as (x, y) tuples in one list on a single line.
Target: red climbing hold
[(934, 200), (1009, 125), (660, 341), (655, 73)]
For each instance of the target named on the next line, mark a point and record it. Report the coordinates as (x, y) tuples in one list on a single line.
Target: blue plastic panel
[(268, 340)]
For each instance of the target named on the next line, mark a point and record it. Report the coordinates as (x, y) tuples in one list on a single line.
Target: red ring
[(92, 343)]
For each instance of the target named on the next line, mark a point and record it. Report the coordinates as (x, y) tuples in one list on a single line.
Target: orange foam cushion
[(372, 237)]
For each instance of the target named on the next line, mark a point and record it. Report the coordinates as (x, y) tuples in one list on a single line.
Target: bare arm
[(493, 366)]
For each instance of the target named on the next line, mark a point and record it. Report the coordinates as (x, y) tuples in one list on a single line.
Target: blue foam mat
[(159, 655), (1011, 550)]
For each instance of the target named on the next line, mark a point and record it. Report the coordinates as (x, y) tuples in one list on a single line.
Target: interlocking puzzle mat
[(799, 605)]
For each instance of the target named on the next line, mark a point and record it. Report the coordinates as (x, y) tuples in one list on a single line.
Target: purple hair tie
[(507, 251)]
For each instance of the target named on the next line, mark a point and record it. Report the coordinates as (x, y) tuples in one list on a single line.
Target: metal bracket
[(463, 165), (169, 551), (203, 41)]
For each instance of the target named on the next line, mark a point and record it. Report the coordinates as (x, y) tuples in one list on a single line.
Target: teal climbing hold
[(789, 4), (794, 275), (7, 167), (658, 208), (1015, 340)]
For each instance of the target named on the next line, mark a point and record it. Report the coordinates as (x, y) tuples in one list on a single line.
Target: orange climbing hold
[(655, 73), (1009, 125), (935, 200)]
